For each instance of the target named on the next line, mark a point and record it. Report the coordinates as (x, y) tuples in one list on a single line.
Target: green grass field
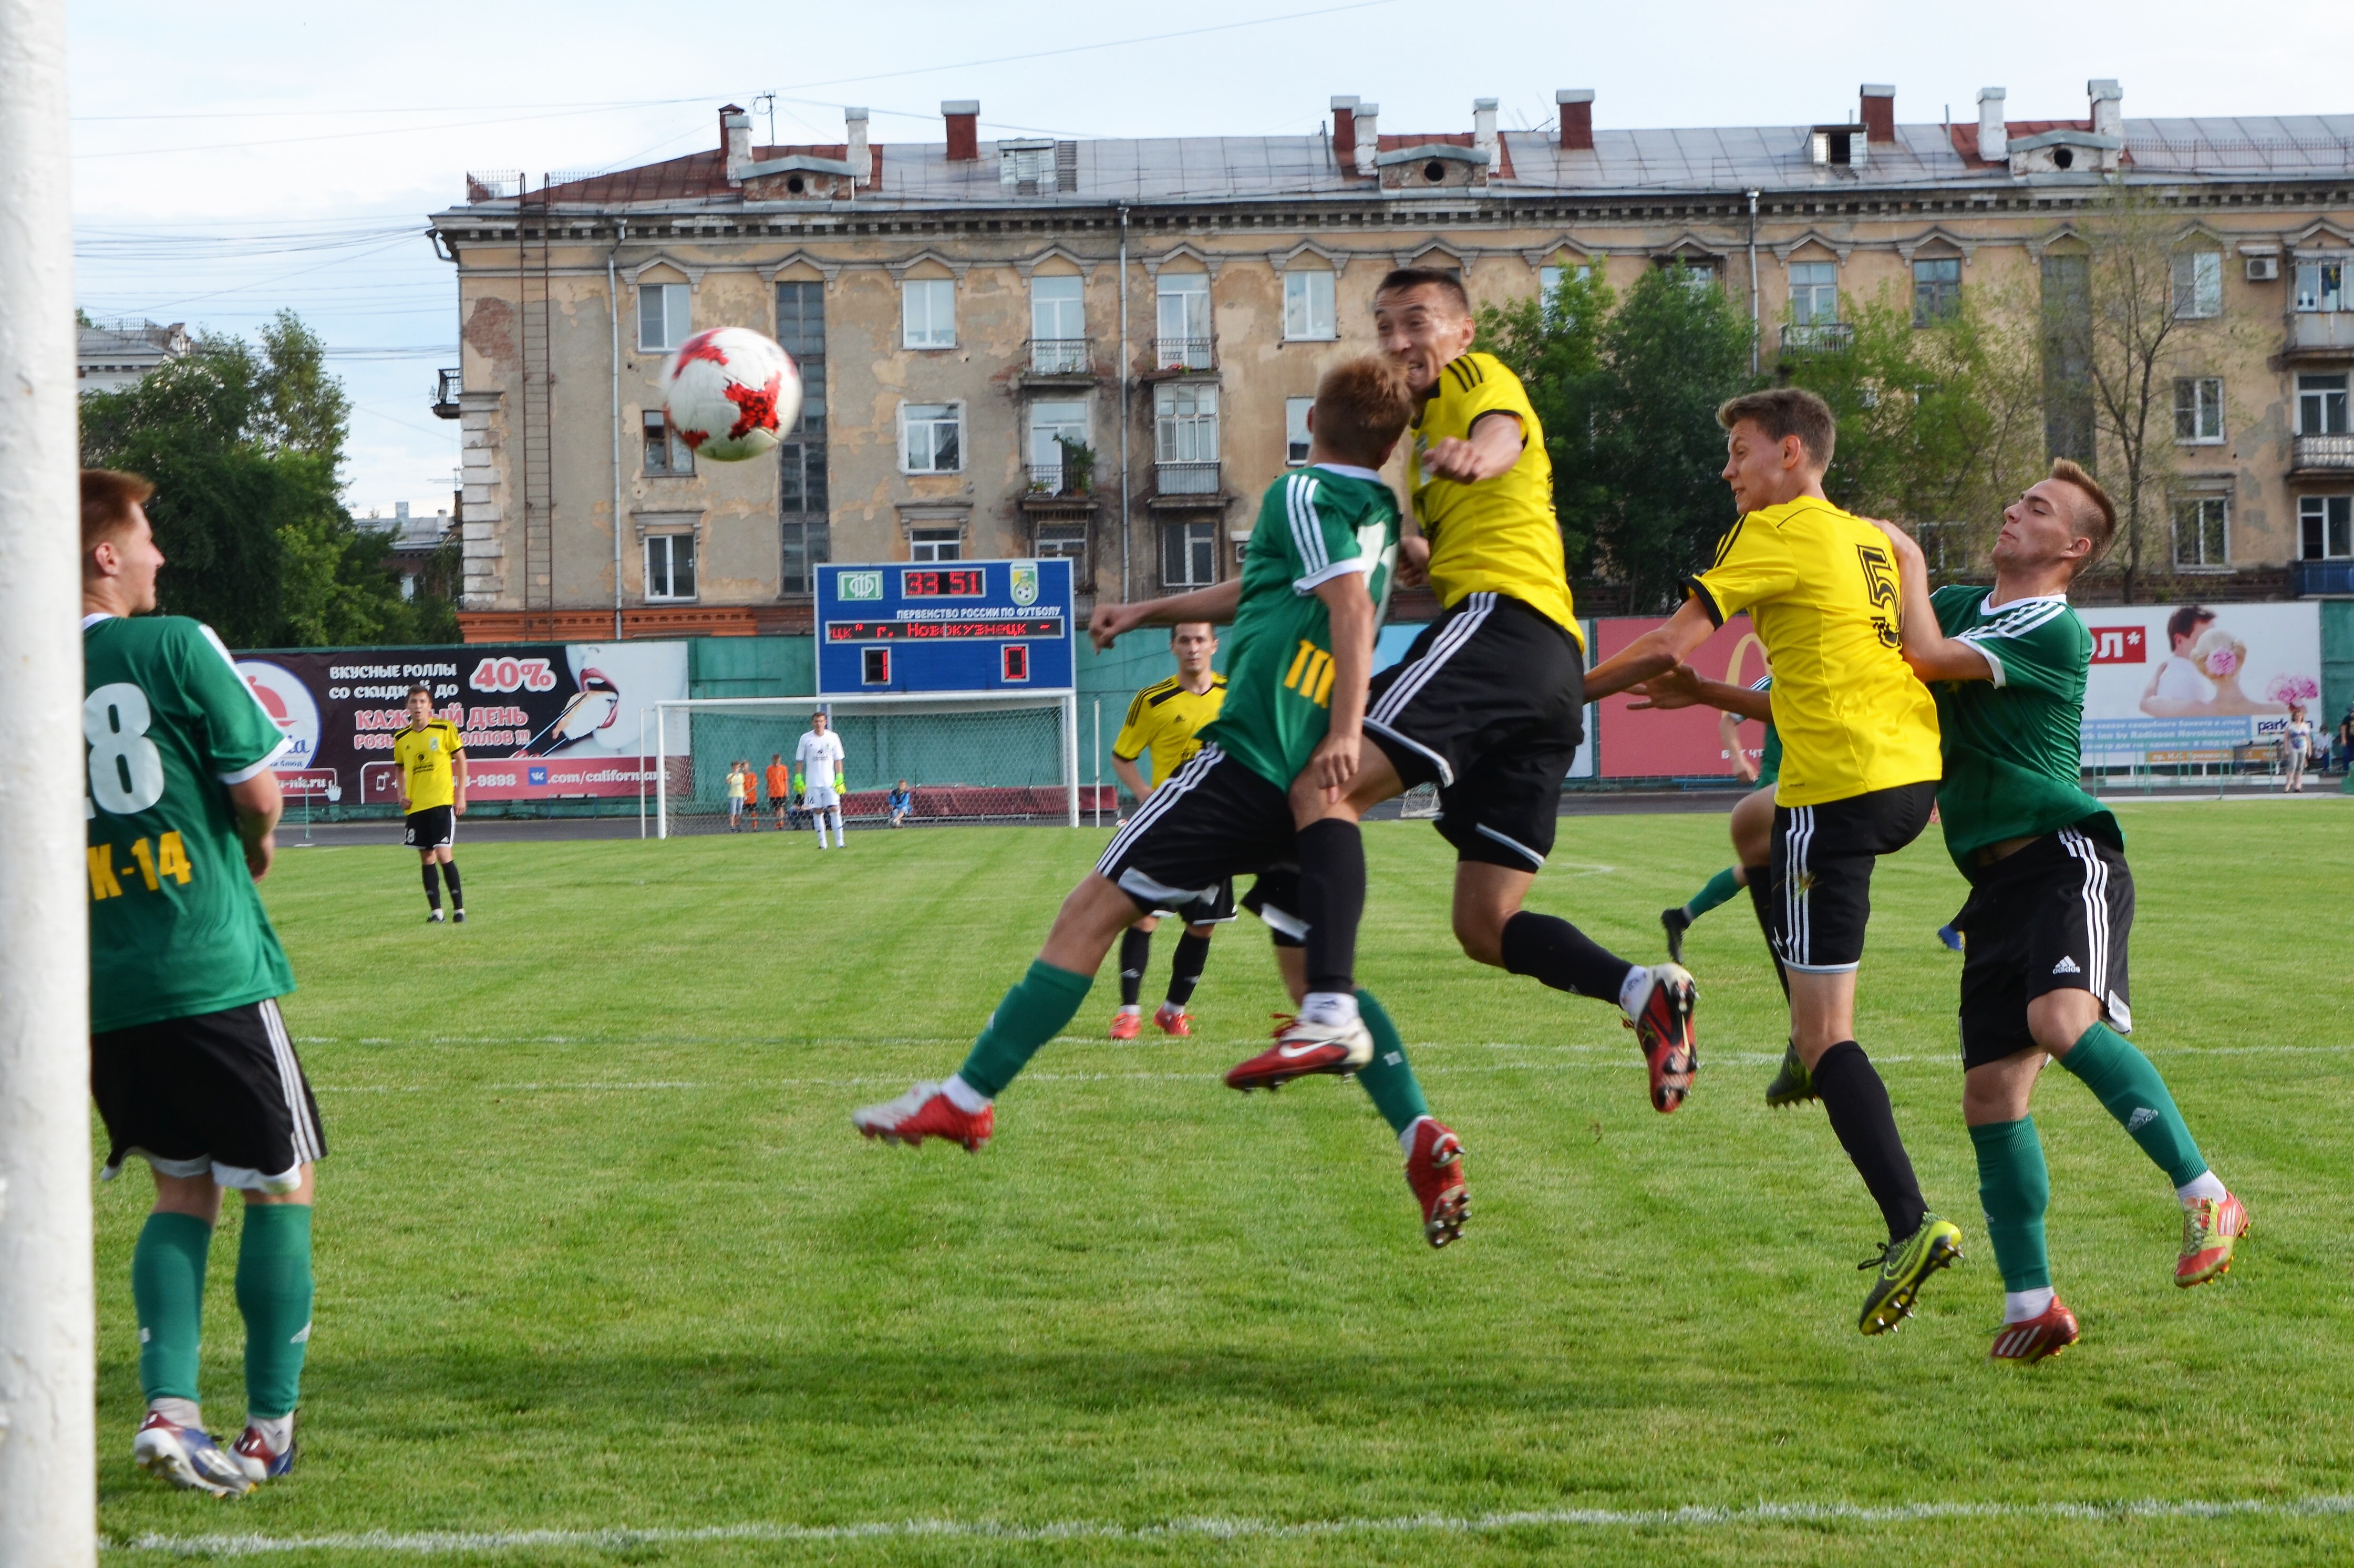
[(598, 1254)]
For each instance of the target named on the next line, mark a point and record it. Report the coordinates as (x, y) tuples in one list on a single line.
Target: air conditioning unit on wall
[(2263, 268)]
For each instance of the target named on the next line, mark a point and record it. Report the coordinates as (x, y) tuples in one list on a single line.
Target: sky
[(231, 161)]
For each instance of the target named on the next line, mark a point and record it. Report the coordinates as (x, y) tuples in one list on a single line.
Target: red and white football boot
[(1301, 1048), (2047, 1334), (1435, 1171), (925, 1111), (1124, 1025), (1664, 1029), (1173, 1020)]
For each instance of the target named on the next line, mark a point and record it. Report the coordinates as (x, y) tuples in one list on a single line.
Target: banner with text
[(1683, 743), (542, 720)]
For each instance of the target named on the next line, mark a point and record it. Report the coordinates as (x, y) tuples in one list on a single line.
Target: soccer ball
[(730, 394)]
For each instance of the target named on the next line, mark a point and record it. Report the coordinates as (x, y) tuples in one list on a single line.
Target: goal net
[(1419, 803), (978, 758)]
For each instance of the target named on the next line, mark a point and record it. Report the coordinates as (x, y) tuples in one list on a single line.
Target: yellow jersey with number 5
[(1494, 535), (1821, 587)]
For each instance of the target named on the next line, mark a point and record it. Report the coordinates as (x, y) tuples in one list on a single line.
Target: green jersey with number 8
[(176, 926), (1314, 524)]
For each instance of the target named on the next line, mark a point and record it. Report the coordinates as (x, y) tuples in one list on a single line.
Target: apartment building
[(1104, 350)]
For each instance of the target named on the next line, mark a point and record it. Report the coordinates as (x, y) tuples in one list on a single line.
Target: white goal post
[(977, 757)]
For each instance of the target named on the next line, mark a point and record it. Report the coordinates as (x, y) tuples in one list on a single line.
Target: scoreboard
[(951, 626)]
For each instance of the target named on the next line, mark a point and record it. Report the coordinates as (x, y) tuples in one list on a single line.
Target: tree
[(245, 451), (1554, 347)]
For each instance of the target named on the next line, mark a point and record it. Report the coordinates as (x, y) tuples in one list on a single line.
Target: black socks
[(1185, 970), (1135, 952), (457, 894), (1331, 901), (433, 886), (1760, 878), (1549, 949), (1856, 1102)]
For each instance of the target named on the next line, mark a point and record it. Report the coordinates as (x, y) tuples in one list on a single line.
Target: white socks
[(964, 1096), (1634, 990), (276, 1431), (179, 1412), (2206, 1185), (1329, 1009), (1406, 1135), (2018, 1305), (818, 820)]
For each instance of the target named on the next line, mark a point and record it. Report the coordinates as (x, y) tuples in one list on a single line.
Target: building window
[(1307, 306), (1295, 429), (2321, 285), (2068, 356), (2202, 532), (1549, 282), (1189, 555), (1056, 429), (670, 566), (936, 544), (2326, 524), (928, 312), (664, 320), (1058, 326), (2199, 408), (1067, 542), (2199, 283), (801, 500), (1694, 273), (1814, 293), (1185, 438), (930, 438), (666, 455), (808, 545), (1183, 322), (2321, 405), (1944, 547), (1936, 289)]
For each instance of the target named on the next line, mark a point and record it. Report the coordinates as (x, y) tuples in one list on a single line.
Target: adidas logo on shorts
[(2066, 966)]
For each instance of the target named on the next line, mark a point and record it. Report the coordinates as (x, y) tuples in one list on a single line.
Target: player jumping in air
[(190, 1062), (1165, 719), (819, 755), (1860, 770), (1304, 614), (429, 762), (2052, 900), (1486, 704)]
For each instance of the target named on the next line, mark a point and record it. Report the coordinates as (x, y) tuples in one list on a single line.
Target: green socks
[(1032, 1013), (1387, 1077), (2122, 1079), (1720, 890), (2014, 1188), (168, 1283), (273, 1292)]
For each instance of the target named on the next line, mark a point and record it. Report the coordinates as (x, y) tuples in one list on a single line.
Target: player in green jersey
[(190, 1063), (2051, 901), (1315, 577)]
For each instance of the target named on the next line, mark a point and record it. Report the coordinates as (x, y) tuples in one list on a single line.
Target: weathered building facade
[(1104, 349)]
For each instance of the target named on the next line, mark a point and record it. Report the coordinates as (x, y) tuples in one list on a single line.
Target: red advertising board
[(1685, 743)]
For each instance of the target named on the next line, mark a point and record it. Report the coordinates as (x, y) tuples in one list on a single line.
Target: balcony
[(445, 394), (1186, 485), (2321, 457), (1058, 488), (1184, 354), (1059, 362), (1818, 337), (2321, 579), (2321, 334)]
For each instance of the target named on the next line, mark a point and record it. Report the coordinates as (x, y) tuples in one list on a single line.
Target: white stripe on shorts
[(290, 1082), (1157, 805)]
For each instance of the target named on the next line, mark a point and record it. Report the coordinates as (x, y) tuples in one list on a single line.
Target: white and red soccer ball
[(730, 394)]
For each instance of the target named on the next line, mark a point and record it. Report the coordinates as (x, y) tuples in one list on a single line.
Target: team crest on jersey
[(1025, 583)]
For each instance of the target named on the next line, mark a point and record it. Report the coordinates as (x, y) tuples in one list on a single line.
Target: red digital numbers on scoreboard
[(955, 582)]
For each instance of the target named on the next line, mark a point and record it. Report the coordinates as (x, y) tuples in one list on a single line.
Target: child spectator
[(902, 802)]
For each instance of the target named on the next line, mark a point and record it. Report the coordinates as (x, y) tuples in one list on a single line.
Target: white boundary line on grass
[(435, 1542)]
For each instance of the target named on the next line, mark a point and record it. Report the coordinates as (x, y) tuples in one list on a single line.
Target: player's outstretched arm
[(1685, 687), (1932, 655), (258, 803), (1334, 761), (1215, 605), (1655, 652)]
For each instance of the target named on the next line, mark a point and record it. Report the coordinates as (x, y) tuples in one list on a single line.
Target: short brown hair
[(419, 690), (1403, 279), (1361, 407), (2099, 519), (107, 498), (1783, 412)]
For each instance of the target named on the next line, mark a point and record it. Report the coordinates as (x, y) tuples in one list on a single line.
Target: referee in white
[(818, 757)]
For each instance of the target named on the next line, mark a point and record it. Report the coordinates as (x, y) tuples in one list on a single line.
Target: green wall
[(2337, 661)]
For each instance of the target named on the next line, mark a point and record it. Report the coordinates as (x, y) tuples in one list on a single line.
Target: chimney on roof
[(1994, 140), (735, 133), (963, 115), (1878, 111), (1576, 118), (862, 161), (1344, 131), (1484, 129), (1369, 136), (2108, 107)]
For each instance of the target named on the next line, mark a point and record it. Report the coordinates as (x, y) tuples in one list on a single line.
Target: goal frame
[(1064, 700)]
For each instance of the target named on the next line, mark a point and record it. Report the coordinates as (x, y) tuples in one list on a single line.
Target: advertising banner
[(542, 720), (1686, 743), (2187, 683)]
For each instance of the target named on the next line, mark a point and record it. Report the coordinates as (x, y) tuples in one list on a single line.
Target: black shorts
[(2053, 917), (436, 827), (1211, 821), (1489, 705), (1820, 893), (1215, 910), (1274, 898), (218, 1094)]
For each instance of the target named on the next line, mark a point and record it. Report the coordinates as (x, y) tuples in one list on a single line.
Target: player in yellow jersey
[(1859, 772), (1487, 703), (1165, 720), (430, 760)]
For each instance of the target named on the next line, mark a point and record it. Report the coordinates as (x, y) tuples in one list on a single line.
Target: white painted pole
[(48, 1440), (661, 771), (1070, 717)]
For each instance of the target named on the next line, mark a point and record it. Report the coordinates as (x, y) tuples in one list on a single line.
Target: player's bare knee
[(2057, 1018)]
